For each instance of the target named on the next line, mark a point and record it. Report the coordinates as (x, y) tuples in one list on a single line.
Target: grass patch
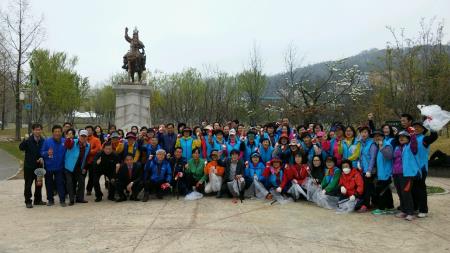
[(434, 189), (12, 147)]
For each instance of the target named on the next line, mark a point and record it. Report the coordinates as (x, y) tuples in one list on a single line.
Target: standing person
[(99, 134), (282, 150), (77, 151), (350, 146), (383, 193), (129, 178), (405, 168), (32, 147), (419, 191), (335, 144), (66, 126), (406, 120), (271, 135), (157, 176), (131, 147), (96, 146), (367, 158), (169, 139), (187, 143), (265, 150), (249, 146), (53, 152), (233, 142), (106, 163)]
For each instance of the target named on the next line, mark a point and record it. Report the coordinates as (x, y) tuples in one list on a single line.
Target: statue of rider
[(135, 45)]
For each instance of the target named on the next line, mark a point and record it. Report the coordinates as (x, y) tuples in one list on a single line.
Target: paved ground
[(211, 225), (9, 165)]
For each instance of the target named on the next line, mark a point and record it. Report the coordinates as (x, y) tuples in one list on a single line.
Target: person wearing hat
[(187, 143), (254, 168), (330, 182), (405, 168), (233, 142), (424, 139), (294, 148), (383, 193), (249, 146), (75, 161), (212, 167), (265, 150), (367, 158), (234, 170), (117, 145), (194, 171), (294, 173), (131, 147), (282, 150), (273, 174)]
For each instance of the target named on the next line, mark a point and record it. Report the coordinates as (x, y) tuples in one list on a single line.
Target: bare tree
[(22, 34)]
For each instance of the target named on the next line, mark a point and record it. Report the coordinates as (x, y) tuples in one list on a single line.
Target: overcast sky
[(181, 34)]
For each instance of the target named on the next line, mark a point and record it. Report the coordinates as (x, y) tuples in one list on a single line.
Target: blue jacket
[(384, 166), (72, 155), (347, 151), (249, 149), (410, 162), (151, 171), (364, 154), (186, 145), (59, 151), (266, 155), (150, 150), (230, 147), (252, 170), (422, 153)]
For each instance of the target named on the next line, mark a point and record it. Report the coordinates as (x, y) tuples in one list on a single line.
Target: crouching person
[(254, 169), (106, 163), (157, 176), (294, 174), (194, 172), (330, 182), (178, 164), (273, 174), (129, 179), (213, 185), (351, 185), (234, 170)]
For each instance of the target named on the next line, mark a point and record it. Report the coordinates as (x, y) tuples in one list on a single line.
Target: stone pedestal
[(132, 106)]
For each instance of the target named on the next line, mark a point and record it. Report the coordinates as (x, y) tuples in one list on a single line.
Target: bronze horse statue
[(134, 59)]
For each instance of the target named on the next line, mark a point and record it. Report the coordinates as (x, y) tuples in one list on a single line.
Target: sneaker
[(29, 205), (409, 217), (422, 215), (378, 212), (50, 203), (63, 204), (390, 211), (363, 209), (401, 215)]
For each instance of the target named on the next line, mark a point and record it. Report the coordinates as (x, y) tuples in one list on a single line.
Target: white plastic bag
[(436, 117), (215, 181), (346, 206), (326, 201), (257, 190), (311, 189), (279, 198), (295, 191), (234, 188), (194, 195)]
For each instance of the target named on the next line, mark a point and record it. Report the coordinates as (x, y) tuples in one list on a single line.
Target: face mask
[(346, 170)]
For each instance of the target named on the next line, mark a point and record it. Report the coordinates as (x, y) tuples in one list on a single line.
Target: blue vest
[(348, 151), (384, 166), (252, 170), (230, 147), (219, 146), (266, 155), (422, 153), (186, 145), (72, 154), (273, 179), (249, 149), (410, 162), (364, 155)]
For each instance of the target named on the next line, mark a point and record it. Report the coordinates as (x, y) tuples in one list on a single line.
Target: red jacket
[(353, 182), (294, 171)]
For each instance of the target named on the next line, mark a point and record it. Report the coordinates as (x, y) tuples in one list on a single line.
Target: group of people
[(356, 164)]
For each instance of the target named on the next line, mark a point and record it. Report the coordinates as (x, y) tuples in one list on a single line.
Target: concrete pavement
[(9, 165), (213, 225)]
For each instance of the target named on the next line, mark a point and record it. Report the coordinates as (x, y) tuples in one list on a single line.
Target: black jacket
[(240, 168), (108, 163), (136, 176), (32, 151)]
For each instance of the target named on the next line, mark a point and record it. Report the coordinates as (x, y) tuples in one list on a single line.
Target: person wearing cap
[(194, 172), (367, 158), (212, 167), (187, 143), (383, 193), (330, 182), (265, 150), (75, 164), (233, 142), (350, 146), (294, 148), (96, 147), (405, 168), (117, 145), (129, 179), (273, 174), (254, 169), (294, 173), (248, 146), (282, 150), (157, 176), (131, 147), (234, 170), (424, 139)]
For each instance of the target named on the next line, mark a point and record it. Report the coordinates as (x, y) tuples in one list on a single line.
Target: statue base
[(132, 106)]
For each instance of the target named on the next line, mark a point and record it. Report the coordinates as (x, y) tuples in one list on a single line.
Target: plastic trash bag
[(234, 188), (194, 195), (295, 191), (311, 189), (346, 206), (326, 201), (214, 184), (436, 117), (257, 190), (278, 197)]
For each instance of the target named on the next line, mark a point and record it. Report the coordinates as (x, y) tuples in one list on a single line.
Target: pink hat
[(321, 134)]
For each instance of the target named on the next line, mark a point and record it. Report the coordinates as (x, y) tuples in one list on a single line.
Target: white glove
[(343, 190), (294, 181), (368, 174), (352, 198), (279, 189), (324, 192)]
